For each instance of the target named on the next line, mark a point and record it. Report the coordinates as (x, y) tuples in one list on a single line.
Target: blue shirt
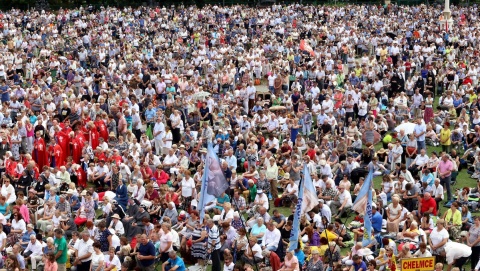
[(377, 222), (300, 256), (177, 262), (362, 265), (147, 250), (150, 114)]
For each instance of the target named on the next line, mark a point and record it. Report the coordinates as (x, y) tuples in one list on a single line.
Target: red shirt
[(427, 204)]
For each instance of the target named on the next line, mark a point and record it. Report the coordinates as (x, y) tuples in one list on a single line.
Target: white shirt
[(345, 196), (326, 212), (159, 127), (139, 193), (271, 238), (84, 248), (456, 251), (35, 248), (262, 197), (119, 229), (437, 191), (187, 187), (438, 236)]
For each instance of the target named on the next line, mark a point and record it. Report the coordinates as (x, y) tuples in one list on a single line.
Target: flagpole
[(246, 234)]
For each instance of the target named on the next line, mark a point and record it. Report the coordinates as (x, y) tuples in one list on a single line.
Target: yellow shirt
[(472, 97), (330, 235), (445, 137), (456, 219)]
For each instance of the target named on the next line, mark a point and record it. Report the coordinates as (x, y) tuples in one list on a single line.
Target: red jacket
[(161, 177), (274, 261)]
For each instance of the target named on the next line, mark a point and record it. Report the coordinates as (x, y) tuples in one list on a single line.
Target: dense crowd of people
[(107, 117)]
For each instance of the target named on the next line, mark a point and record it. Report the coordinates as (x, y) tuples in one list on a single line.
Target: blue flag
[(363, 205), (310, 199), (214, 182), (298, 212)]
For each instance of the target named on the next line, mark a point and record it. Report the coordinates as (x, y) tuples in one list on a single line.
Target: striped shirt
[(214, 236)]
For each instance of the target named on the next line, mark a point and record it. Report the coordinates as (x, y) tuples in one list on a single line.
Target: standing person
[(457, 254), (97, 257), (158, 134), (473, 241), (214, 245), (60, 250), (445, 168), (419, 131), (84, 251), (146, 254)]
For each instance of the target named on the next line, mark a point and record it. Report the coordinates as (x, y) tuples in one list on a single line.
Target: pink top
[(49, 266), (289, 263), (25, 214), (445, 166)]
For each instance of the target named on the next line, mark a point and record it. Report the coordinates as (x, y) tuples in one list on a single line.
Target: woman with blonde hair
[(394, 214)]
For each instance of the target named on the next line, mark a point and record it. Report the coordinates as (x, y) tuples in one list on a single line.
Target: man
[(457, 254), (324, 210), (418, 163), (67, 224), (158, 134), (278, 218), (146, 254), (173, 263), (437, 192), (445, 168), (271, 238), (34, 251), (83, 252), (341, 202), (419, 132), (427, 205), (213, 246), (16, 252), (273, 259), (60, 250), (358, 264)]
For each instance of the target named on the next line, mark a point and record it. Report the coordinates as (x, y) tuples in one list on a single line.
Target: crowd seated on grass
[(109, 116)]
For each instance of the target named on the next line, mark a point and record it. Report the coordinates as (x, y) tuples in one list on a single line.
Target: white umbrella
[(201, 95), (407, 127)]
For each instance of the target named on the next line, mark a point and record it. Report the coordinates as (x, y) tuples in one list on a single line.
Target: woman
[(254, 252), (313, 236), (199, 240), (171, 212), (445, 137), (98, 258), (271, 174), (104, 236), (154, 210), (466, 218), (166, 242), (473, 241), (8, 191), (258, 229), (12, 264), (428, 113), (315, 263), (5, 208), (240, 243), (453, 219), (17, 228), (121, 195), (394, 214), (411, 149), (111, 260), (176, 121), (15, 143), (369, 130), (409, 233), (115, 178), (87, 210), (426, 223), (46, 219), (50, 262), (291, 262), (387, 186)]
